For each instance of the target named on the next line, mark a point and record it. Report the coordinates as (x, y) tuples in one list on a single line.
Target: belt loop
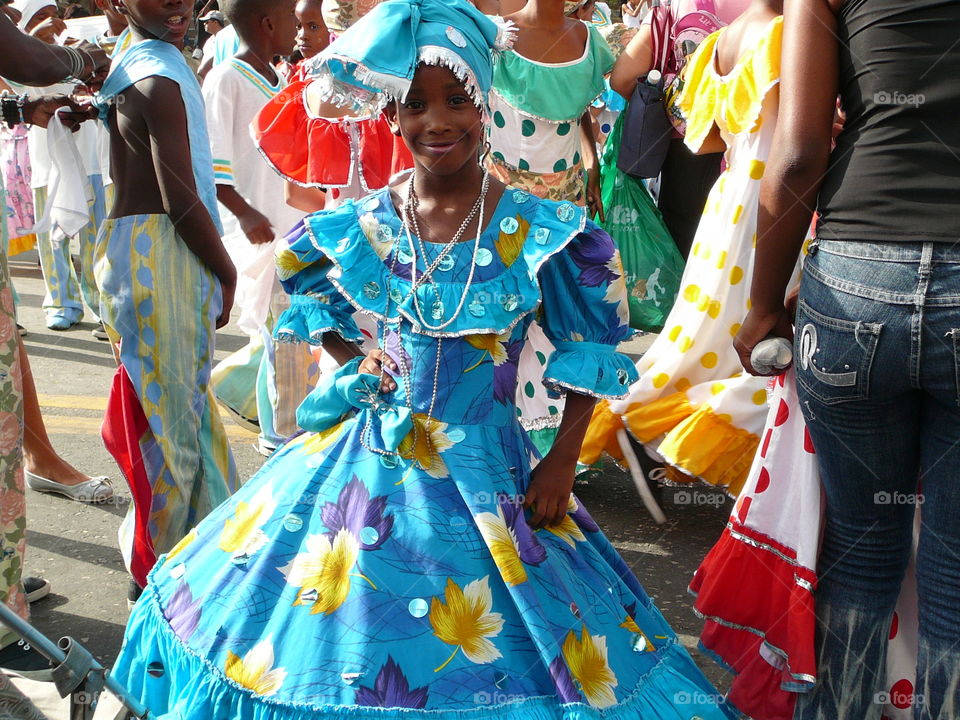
[(926, 258)]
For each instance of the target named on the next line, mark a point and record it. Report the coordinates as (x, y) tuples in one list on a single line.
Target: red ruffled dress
[(349, 156)]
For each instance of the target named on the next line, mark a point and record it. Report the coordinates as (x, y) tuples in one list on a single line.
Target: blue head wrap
[(376, 58)]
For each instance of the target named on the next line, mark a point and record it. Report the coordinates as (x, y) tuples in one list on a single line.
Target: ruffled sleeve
[(586, 317), (316, 306), (697, 100), (735, 100)]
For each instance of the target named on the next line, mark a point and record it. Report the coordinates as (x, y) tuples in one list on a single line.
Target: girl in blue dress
[(409, 555)]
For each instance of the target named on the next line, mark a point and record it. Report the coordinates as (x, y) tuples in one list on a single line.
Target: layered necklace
[(409, 231)]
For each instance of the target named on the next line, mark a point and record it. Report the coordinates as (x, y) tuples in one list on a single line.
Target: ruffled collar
[(372, 270)]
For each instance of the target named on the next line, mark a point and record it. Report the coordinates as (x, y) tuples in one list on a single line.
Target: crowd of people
[(428, 218)]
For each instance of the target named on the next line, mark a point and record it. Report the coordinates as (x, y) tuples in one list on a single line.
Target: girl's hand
[(372, 364), (551, 483), (594, 198), (758, 326)]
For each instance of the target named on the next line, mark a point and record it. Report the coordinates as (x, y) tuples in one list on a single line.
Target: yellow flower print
[(587, 659), (503, 546), (318, 442), (617, 289), (242, 533), (495, 345), (369, 224), (424, 443), (630, 624), (509, 246), (185, 541), (568, 530), (323, 572), (289, 264), (465, 621), (255, 671)]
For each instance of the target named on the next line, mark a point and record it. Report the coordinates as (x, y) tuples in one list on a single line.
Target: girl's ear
[(390, 112)]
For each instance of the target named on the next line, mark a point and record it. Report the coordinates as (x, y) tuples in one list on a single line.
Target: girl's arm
[(797, 165), (302, 198), (591, 163), (551, 482), (634, 62), (343, 351)]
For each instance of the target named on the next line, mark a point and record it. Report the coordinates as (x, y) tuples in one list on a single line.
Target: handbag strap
[(661, 26)]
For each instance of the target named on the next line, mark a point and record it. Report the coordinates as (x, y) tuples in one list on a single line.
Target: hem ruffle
[(708, 447), (206, 693), (695, 442), (766, 639)]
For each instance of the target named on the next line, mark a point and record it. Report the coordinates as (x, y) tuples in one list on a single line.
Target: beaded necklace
[(409, 219)]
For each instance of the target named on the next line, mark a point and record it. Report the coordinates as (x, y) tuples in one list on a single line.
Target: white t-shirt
[(233, 93)]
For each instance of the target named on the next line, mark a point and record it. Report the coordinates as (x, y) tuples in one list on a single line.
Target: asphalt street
[(75, 545)]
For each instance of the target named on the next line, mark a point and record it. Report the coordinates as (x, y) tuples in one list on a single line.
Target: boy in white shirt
[(263, 383)]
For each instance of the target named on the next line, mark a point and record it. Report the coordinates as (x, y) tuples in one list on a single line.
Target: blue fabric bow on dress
[(346, 391)]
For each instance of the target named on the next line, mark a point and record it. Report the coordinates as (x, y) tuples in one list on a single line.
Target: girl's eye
[(413, 105), (459, 99)]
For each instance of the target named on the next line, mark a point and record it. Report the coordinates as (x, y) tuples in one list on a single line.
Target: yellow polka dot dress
[(693, 405)]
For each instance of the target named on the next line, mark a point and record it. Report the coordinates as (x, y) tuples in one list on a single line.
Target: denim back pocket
[(833, 357)]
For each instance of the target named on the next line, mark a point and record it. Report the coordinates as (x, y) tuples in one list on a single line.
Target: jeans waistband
[(886, 251)]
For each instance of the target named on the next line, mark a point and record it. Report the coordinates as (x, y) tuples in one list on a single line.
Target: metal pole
[(52, 652)]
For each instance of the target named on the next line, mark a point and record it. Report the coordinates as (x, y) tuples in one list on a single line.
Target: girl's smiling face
[(438, 121), (312, 33)]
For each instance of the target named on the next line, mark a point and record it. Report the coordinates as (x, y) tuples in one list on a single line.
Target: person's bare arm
[(254, 224), (343, 351), (797, 165), (303, 198), (29, 61), (591, 164), (205, 66), (551, 482), (634, 62), (157, 101)]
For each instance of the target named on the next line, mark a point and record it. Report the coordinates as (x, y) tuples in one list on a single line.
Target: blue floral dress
[(380, 564)]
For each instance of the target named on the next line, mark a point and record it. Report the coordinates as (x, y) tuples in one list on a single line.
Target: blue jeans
[(877, 355)]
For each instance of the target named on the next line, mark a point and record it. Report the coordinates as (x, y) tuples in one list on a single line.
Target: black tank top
[(895, 172)]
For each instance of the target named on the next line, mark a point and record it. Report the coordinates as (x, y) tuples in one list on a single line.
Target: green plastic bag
[(651, 262)]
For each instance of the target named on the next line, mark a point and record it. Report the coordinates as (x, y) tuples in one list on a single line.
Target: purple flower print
[(505, 375), (183, 612), (356, 511), (582, 518), (563, 681), (391, 690), (528, 547), (591, 252)]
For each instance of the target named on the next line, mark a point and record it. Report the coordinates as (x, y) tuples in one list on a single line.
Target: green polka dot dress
[(535, 144)]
